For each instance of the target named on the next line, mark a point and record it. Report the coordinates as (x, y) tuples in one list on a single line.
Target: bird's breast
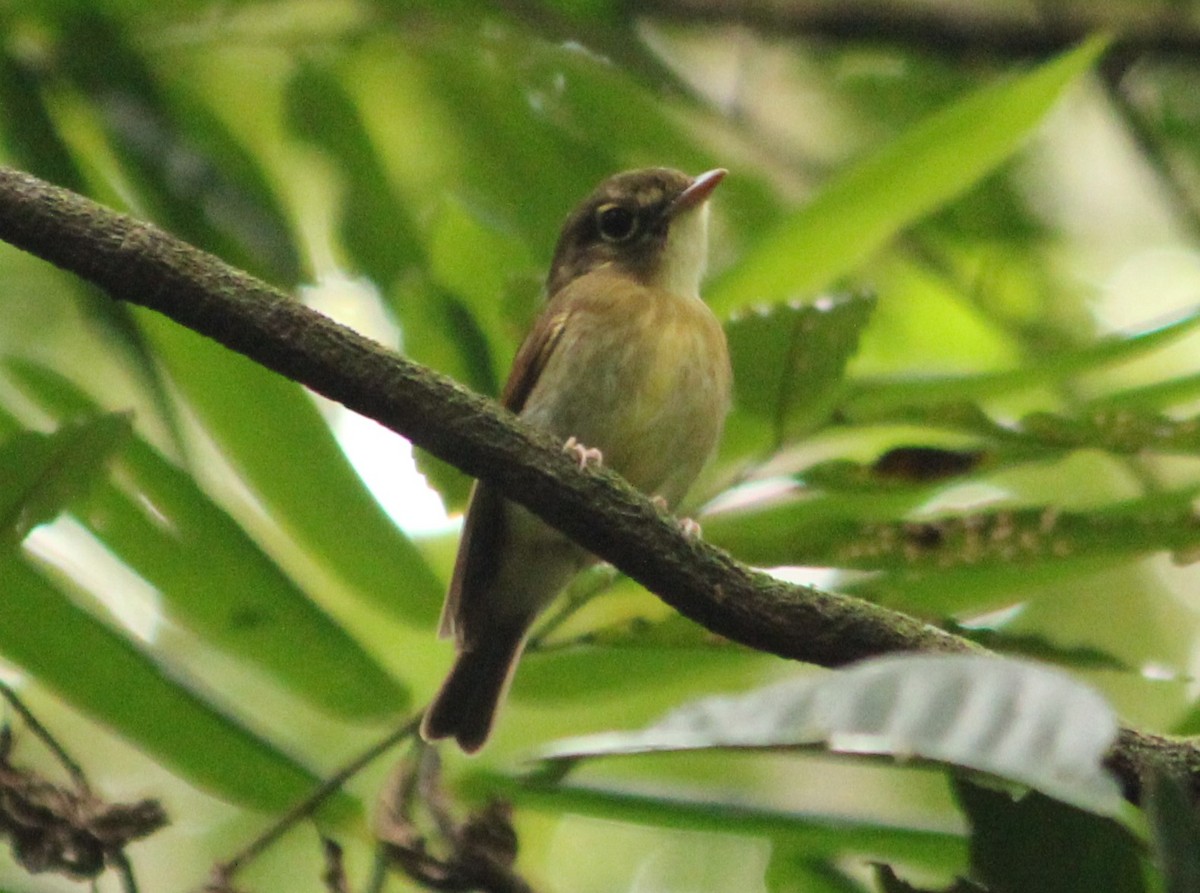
[(643, 375)]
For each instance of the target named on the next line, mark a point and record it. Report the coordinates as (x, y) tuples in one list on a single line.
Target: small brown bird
[(625, 359)]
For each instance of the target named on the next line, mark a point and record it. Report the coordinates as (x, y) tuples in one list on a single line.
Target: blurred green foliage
[(960, 296)]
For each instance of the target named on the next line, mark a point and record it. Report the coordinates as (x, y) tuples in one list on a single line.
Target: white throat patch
[(685, 256)]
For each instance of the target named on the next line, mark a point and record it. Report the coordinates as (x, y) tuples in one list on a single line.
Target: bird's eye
[(616, 223)]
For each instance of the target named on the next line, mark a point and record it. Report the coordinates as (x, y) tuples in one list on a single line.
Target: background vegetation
[(960, 275)]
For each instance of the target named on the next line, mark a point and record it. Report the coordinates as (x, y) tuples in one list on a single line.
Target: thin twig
[(478, 852), (43, 735), (309, 804), (334, 875), (119, 862), (578, 594), (379, 871)]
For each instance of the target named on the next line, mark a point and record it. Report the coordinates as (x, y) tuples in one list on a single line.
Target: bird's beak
[(697, 194)]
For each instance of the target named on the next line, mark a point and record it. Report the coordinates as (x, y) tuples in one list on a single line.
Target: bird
[(627, 366)]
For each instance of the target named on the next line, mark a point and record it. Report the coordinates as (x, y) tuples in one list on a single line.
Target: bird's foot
[(687, 526), (587, 457)]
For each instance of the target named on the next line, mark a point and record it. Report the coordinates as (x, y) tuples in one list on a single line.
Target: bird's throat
[(685, 256)]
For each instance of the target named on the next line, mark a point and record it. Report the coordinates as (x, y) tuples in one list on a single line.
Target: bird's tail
[(465, 707)]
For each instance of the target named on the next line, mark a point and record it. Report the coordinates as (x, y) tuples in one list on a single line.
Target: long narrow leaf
[(279, 442), (819, 835), (1176, 831), (105, 676), (1004, 717), (859, 212), (154, 517), (1035, 843), (826, 531), (41, 473), (191, 174), (873, 399)]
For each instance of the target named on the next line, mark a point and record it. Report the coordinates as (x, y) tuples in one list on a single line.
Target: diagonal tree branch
[(139, 263)]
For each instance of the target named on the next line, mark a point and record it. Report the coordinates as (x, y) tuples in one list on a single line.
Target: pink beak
[(698, 193)]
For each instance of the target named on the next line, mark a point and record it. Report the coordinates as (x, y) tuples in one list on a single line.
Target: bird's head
[(651, 224)]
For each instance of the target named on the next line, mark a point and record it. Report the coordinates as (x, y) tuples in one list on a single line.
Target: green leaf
[(1011, 719), (794, 872), (439, 328), (278, 441), (869, 532), (788, 361), (868, 205), (1175, 829), (154, 517), (1124, 430), (1159, 395), (1039, 647), (478, 263), (801, 527), (889, 882), (1036, 843), (439, 331), (566, 674), (38, 146), (968, 590), (522, 99), (494, 122), (583, 12), (378, 232), (107, 677), (41, 473), (1128, 431), (27, 127), (1189, 724), (818, 835), (198, 181), (375, 225), (907, 467), (871, 400)]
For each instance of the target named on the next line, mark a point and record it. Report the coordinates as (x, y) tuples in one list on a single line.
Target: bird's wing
[(531, 359), (480, 548)]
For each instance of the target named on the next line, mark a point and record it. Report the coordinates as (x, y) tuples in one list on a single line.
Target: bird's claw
[(687, 526), (587, 457)]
